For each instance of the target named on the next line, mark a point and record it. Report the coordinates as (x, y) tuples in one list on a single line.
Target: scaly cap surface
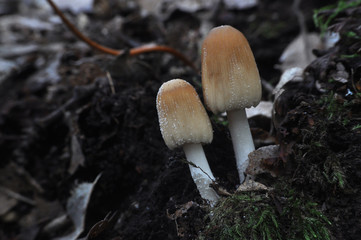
[(182, 117), (230, 78)]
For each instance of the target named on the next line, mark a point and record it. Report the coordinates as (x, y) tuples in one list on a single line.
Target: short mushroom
[(184, 123), (231, 83)]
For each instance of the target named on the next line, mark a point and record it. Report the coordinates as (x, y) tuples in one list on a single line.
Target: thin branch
[(116, 52), (111, 83), (17, 196)]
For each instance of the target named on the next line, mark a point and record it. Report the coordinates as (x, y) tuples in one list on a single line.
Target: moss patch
[(267, 215)]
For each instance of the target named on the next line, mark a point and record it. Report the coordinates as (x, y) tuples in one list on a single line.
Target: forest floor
[(82, 155)]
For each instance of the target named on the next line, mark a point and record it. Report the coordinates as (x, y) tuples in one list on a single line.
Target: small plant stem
[(241, 138), (201, 174), (132, 52), (161, 48)]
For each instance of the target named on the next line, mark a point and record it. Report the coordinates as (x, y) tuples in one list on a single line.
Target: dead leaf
[(264, 108), (43, 211), (262, 160), (101, 226), (7, 68), (77, 156), (165, 7), (250, 185), (6, 203), (182, 209), (299, 52), (291, 74), (340, 75), (17, 179), (75, 6), (76, 207), (239, 5)]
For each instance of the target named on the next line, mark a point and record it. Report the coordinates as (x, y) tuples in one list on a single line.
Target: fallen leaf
[(262, 160), (250, 185), (239, 5), (264, 108), (182, 209), (77, 156), (43, 211), (299, 52), (75, 6), (291, 74), (6, 203), (76, 207)]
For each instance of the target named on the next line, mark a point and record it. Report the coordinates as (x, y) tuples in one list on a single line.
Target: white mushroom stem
[(201, 174), (241, 138)]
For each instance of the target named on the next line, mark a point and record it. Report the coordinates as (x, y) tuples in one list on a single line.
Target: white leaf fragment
[(264, 108), (76, 207)]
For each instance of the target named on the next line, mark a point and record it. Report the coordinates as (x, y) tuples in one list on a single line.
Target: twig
[(101, 226), (194, 165), (17, 196), (111, 83), (80, 97), (24, 174), (132, 52)]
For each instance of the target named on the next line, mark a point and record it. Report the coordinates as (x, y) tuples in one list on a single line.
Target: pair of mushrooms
[(230, 83)]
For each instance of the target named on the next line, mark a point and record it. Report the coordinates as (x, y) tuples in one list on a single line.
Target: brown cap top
[(230, 77), (182, 117)]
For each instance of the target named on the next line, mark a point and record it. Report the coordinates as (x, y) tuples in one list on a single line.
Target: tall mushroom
[(184, 123), (231, 83)]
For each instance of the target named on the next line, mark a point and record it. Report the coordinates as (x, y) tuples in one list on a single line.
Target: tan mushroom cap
[(230, 78), (182, 117)]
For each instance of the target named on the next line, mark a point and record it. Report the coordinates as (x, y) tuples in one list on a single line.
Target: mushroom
[(231, 83), (184, 123)]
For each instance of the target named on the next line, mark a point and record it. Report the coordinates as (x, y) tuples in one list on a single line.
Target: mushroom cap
[(182, 117), (230, 78)]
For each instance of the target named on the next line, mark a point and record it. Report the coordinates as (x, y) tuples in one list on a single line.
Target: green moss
[(350, 55), (333, 172), (358, 126), (317, 166), (243, 216), (333, 109), (254, 216), (218, 119), (352, 34), (323, 20), (308, 222)]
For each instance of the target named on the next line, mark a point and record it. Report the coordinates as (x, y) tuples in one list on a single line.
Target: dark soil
[(53, 115)]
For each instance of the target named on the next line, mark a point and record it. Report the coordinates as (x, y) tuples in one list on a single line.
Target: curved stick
[(116, 52)]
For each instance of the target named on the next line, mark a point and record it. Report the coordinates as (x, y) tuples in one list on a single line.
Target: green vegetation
[(319, 132), (352, 34), (291, 210), (333, 172), (350, 55), (254, 216), (358, 126), (332, 108), (217, 118), (323, 21), (307, 221), (317, 164)]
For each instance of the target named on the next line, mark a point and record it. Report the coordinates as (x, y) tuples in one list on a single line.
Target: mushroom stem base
[(201, 172), (241, 138)]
